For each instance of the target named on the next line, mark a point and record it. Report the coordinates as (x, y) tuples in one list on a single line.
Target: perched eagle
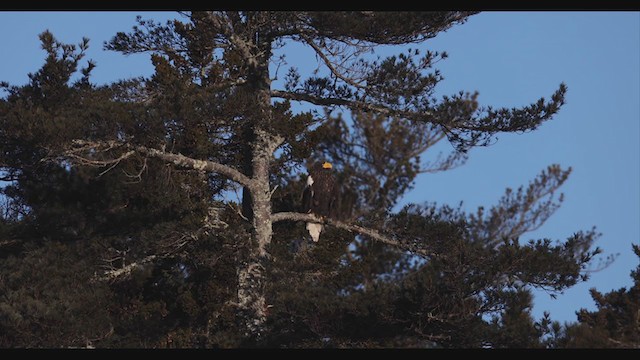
[(319, 196)]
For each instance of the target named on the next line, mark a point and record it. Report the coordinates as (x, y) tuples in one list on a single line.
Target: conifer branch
[(374, 234), (176, 159)]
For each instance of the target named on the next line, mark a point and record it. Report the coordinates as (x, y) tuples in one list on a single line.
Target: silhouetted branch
[(354, 104), (330, 64)]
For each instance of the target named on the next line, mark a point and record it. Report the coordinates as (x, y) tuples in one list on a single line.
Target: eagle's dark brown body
[(319, 196)]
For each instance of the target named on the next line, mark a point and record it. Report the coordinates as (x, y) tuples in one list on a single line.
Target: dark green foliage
[(383, 27), (615, 323), (108, 248), (121, 215), (48, 299)]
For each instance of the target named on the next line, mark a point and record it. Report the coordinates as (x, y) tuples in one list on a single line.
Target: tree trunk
[(247, 168), (251, 282)]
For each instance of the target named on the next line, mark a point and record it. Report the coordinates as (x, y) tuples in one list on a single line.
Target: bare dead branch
[(293, 216), (235, 207), (176, 159), (624, 344), (138, 176), (211, 221), (238, 211), (126, 270), (228, 84), (4, 243), (100, 163), (202, 165)]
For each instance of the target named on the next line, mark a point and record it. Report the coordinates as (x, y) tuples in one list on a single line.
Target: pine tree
[(137, 176), (615, 323)]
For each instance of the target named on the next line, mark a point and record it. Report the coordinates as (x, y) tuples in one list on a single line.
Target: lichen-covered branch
[(195, 164), (211, 221), (111, 275), (293, 216), (176, 159)]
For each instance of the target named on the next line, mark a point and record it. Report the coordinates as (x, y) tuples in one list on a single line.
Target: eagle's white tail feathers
[(314, 230)]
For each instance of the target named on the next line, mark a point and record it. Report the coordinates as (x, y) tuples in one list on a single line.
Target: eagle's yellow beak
[(327, 165)]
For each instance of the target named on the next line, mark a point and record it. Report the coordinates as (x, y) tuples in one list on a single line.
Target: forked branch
[(81, 146)]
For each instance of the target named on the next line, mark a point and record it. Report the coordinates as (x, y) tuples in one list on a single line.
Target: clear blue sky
[(512, 59)]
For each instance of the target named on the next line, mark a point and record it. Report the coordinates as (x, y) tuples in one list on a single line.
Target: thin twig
[(329, 64)]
